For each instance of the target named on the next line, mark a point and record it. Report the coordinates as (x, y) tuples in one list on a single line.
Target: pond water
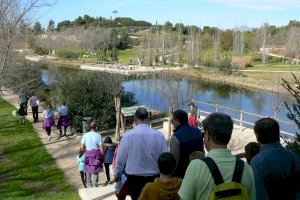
[(148, 90)]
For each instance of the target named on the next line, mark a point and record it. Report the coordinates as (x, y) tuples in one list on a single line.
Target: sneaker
[(49, 138), (106, 183)]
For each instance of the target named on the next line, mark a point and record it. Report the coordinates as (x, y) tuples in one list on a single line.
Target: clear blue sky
[(220, 13)]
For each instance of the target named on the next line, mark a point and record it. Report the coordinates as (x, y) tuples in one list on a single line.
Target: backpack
[(230, 190)]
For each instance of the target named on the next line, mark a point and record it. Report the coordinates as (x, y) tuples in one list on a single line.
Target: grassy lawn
[(27, 171), (276, 68)]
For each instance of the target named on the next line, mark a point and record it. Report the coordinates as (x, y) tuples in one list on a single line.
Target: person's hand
[(117, 178)]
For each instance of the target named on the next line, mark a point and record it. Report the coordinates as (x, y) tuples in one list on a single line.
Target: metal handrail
[(241, 112)]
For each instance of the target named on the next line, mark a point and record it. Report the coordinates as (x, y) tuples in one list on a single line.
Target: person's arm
[(175, 148), (82, 143), (121, 157), (101, 149), (187, 189), (261, 192)]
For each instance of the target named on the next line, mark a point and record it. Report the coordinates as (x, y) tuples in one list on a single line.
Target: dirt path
[(63, 150)]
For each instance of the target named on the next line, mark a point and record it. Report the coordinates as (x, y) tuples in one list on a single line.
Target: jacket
[(159, 190), (93, 161)]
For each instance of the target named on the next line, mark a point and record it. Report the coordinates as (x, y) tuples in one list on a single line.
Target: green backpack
[(233, 190)]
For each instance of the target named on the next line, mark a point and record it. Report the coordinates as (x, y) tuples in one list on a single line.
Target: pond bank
[(270, 85)]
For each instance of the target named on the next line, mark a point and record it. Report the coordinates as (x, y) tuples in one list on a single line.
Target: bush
[(209, 63), (67, 54), (226, 67), (85, 96), (241, 63)]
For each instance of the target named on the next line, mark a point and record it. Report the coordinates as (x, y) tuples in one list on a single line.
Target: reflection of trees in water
[(258, 101)]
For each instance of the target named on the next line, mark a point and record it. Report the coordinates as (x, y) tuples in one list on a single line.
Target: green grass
[(276, 68), (27, 171)]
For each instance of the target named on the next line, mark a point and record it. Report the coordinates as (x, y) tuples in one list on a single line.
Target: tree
[(13, 14), (217, 45), (292, 47), (264, 41), (175, 92), (91, 99), (293, 88), (125, 41), (168, 26), (37, 28), (113, 85), (51, 25)]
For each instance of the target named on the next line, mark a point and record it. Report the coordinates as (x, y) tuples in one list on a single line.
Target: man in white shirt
[(138, 154)]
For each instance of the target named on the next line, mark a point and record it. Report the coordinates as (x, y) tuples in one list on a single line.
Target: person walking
[(220, 173), (23, 99), (63, 119), (138, 153), (109, 154), (33, 101), (185, 141), (165, 187), (276, 169), (48, 120), (80, 163), (92, 145)]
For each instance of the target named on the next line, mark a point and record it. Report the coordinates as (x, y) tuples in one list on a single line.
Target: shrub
[(225, 66), (241, 63), (85, 96)]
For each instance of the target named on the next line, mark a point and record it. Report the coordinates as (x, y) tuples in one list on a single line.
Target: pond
[(147, 91)]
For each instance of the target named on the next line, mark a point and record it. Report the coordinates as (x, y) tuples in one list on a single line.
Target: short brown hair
[(94, 125)]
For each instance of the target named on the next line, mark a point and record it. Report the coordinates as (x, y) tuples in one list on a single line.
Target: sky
[(219, 13)]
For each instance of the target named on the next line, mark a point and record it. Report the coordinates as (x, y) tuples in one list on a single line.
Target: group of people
[(147, 168), (48, 113), (33, 100), (49, 121)]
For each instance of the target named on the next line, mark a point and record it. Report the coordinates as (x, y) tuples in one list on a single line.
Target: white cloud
[(261, 4)]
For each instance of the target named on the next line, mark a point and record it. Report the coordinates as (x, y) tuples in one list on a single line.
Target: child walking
[(48, 120), (108, 159), (80, 163), (22, 113), (164, 187)]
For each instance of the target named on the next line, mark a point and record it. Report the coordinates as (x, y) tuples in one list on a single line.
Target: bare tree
[(175, 92), (264, 40), (13, 14), (238, 42), (292, 47), (217, 45), (113, 85)]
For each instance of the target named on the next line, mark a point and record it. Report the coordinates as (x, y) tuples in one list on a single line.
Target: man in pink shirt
[(33, 101)]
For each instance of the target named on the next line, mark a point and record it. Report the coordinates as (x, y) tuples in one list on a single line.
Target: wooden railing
[(241, 121)]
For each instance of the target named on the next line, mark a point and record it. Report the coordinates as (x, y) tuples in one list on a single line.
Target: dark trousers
[(106, 165), (48, 131), (65, 130), (136, 184), (83, 178), (35, 113)]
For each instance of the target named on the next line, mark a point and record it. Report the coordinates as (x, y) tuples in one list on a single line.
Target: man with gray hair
[(138, 154)]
